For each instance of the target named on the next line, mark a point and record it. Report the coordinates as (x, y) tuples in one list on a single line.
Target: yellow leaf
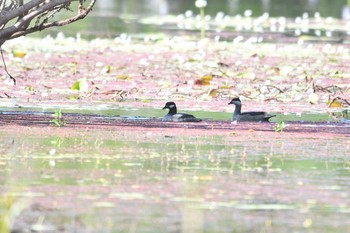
[(123, 77), (225, 87), (18, 53), (207, 77), (334, 103), (204, 80), (213, 92), (29, 88)]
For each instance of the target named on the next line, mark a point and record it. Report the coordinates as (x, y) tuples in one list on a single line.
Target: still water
[(111, 18), (81, 179)]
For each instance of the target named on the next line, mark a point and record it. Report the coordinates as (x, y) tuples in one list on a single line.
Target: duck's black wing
[(255, 116), (184, 117)]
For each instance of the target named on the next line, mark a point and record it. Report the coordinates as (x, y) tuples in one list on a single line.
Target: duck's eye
[(171, 106)]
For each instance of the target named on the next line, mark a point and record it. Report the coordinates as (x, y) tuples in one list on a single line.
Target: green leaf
[(80, 85), (76, 86), (279, 127), (57, 119)]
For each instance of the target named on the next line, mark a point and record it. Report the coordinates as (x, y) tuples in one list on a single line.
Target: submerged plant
[(6, 204), (201, 4), (279, 126), (345, 113), (57, 119)]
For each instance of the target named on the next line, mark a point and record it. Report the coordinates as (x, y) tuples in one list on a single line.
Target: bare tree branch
[(7, 15), (41, 11), (3, 60)]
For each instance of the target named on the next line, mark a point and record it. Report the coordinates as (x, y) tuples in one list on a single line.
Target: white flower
[(52, 151), (188, 14), (201, 3), (248, 13)]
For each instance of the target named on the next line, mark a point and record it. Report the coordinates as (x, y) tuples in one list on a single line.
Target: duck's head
[(172, 108), (170, 105), (235, 101)]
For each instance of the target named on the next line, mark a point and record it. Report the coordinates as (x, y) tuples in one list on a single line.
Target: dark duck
[(239, 116), (174, 116)]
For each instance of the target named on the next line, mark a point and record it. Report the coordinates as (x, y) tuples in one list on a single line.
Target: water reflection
[(127, 7), (288, 8), (139, 181)]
